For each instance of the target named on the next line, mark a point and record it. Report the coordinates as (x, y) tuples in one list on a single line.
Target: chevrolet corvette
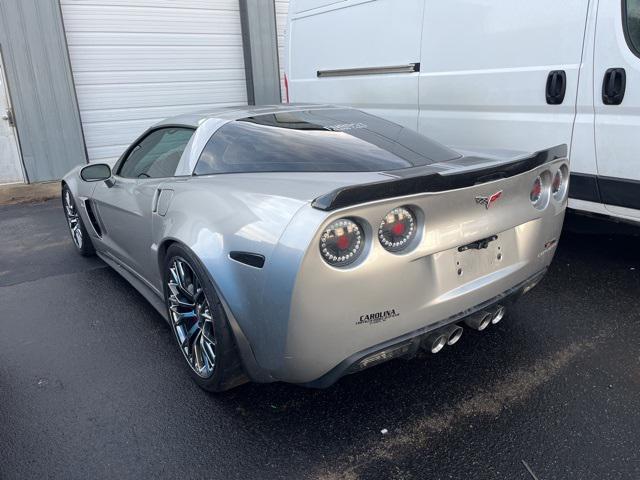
[(302, 243)]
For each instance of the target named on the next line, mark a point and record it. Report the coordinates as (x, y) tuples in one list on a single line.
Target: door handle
[(614, 85), (556, 87)]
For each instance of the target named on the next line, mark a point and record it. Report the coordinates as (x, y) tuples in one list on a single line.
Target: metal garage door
[(135, 62)]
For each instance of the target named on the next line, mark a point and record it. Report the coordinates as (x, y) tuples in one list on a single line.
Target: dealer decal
[(377, 317)]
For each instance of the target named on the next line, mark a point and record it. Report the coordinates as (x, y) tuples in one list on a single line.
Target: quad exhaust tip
[(436, 341), (454, 332), (482, 320), (479, 321), (499, 315)]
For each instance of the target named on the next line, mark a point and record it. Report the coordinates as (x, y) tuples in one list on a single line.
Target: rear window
[(331, 140)]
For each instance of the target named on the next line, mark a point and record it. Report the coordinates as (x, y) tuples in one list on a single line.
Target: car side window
[(157, 155), (631, 20)]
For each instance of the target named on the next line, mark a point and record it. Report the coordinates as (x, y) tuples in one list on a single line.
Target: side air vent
[(92, 218), (248, 258)]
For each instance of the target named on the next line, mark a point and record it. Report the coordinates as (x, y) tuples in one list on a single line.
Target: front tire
[(199, 322), (78, 231)]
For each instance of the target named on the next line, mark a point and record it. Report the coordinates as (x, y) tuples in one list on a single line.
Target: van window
[(632, 24), (323, 140)]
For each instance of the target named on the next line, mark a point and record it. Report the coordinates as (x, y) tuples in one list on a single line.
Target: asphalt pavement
[(93, 386)]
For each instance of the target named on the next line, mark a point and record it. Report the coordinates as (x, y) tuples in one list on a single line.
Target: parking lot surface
[(92, 384)]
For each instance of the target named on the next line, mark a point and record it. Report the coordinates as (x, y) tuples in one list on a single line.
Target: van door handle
[(614, 85), (556, 87)]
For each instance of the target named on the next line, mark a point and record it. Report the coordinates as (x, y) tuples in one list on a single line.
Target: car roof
[(236, 112)]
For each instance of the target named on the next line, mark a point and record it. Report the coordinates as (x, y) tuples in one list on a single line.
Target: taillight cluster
[(342, 242), (560, 183), (397, 229), (548, 185)]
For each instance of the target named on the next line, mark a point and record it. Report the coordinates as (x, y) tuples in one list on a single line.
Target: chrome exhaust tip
[(436, 341), (479, 321), (454, 332), (498, 315)]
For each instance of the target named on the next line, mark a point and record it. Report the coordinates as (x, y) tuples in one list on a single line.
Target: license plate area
[(481, 257)]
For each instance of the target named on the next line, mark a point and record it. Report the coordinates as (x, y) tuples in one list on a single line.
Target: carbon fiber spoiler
[(433, 182)]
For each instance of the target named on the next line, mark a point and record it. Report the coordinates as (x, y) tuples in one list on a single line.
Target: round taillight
[(536, 190), (341, 242), (560, 183), (397, 229), (540, 191)]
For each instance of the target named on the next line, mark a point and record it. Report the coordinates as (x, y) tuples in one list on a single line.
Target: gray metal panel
[(41, 86), (260, 45)]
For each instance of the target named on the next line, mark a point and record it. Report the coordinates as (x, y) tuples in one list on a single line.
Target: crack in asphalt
[(45, 277), (516, 387)]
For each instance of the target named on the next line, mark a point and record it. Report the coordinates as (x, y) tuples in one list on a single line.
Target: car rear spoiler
[(434, 182)]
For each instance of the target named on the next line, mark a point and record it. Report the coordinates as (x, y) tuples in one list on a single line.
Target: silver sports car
[(301, 243)]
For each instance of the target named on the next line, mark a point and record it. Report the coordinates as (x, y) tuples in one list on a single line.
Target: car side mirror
[(96, 172)]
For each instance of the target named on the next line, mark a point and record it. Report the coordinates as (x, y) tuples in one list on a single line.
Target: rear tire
[(199, 322), (79, 234)]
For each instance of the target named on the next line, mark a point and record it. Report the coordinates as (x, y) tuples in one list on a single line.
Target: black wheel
[(199, 322), (78, 232)]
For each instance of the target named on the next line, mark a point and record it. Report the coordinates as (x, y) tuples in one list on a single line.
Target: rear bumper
[(407, 345), (316, 318), (405, 295)]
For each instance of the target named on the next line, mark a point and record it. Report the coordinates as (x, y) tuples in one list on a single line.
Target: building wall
[(89, 76), (10, 164), (37, 71), (136, 62)]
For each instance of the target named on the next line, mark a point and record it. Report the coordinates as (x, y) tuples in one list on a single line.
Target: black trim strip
[(435, 182), (348, 72), (252, 259), (583, 186), (620, 192)]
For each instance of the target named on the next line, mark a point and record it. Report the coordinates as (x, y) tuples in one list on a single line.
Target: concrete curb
[(28, 193)]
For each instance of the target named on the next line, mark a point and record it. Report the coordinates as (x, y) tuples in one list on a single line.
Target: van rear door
[(617, 105), (501, 73), (360, 53)]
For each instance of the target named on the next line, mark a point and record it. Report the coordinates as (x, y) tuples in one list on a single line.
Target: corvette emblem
[(488, 201)]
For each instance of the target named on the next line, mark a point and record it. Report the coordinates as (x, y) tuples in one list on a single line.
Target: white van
[(514, 74)]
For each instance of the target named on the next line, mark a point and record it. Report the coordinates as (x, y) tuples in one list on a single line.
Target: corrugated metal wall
[(138, 61), (37, 71), (10, 160)]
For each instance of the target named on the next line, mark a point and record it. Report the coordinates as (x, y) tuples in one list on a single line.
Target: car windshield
[(322, 140)]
